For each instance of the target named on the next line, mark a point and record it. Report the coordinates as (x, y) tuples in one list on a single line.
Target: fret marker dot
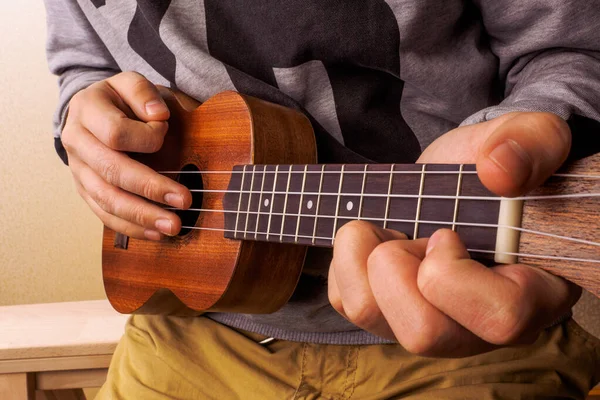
[(309, 205), (266, 202), (349, 206)]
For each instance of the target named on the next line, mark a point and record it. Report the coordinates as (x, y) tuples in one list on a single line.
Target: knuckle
[(130, 230), (364, 313), (549, 128), (554, 121), (124, 79), (66, 138), (127, 230), (428, 276), (507, 324), (110, 170), (143, 88), (151, 189), (104, 197), (133, 75), (422, 342), (115, 134), (78, 99), (383, 254), (137, 215), (74, 106), (156, 143), (352, 229), (335, 301)]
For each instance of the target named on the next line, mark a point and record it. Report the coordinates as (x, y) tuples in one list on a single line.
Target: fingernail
[(513, 160), (174, 200), (156, 107), (164, 225), (431, 243), (152, 235)]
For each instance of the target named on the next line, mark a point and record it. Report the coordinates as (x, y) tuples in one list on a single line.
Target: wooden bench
[(51, 351)]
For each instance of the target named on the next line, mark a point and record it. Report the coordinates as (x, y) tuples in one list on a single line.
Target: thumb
[(140, 95), (522, 152)]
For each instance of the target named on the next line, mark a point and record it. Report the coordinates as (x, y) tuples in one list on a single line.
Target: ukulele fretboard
[(308, 204)]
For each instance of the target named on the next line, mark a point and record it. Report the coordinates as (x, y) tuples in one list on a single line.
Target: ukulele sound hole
[(192, 181)]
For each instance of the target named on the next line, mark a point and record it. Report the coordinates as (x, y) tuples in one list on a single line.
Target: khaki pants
[(197, 358)]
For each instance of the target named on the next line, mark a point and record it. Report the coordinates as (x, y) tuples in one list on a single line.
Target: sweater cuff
[(497, 111)]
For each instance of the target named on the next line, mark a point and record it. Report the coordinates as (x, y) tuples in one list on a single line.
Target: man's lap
[(197, 358)]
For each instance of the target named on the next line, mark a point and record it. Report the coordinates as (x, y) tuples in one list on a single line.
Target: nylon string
[(411, 221), (419, 172), (331, 239)]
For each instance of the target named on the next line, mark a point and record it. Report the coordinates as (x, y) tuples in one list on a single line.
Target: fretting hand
[(428, 294), (124, 113)]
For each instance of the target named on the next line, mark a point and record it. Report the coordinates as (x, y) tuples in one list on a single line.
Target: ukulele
[(259, 199)]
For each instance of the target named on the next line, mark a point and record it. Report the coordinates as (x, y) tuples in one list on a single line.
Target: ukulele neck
[(308, 204)]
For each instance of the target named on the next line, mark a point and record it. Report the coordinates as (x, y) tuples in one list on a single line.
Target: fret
[(249, 201), (266, 202), (237, 218), (310, 203), (337, 206), (272, 202), (279, 199), (318, 207), (439, 209), (376, 181), (474, 211), (327, 204), (259, 202), (419, 202), (406, 182), (352, 185), (387, 202), (458, 185), (285, 202), (300, 203), (362, 191)]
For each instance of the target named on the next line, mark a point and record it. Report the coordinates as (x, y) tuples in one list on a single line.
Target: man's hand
[(428, 294), (124, 113)]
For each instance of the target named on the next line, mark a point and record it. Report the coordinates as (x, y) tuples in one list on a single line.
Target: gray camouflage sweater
[(379, 79)]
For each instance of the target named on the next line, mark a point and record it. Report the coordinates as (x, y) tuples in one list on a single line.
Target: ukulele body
[(201, 270)]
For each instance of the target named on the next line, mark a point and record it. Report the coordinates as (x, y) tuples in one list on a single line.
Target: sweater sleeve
[(75, 54), (548, 54)]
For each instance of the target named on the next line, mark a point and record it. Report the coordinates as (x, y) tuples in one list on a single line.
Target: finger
[(552, 296), (119, 170), (109, 121), (124, 205), (523, 152), (333, 294), (350, 292), (417, 325), (502, 305), (115, 223), (141, 95), (463, 144)]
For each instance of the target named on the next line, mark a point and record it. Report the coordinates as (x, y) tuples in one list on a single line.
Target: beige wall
[(49, 242)]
